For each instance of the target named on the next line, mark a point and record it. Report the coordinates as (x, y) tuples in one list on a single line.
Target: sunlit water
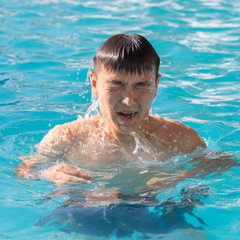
[(46, 52)]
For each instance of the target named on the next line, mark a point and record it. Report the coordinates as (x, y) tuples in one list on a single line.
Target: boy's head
[(127, 52), (125, 81)]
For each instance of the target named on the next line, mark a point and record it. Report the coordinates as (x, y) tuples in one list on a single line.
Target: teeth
[(130, 113), (127, 114)]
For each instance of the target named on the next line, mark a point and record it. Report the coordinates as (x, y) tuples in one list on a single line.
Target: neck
[(118, 137), (129, 137)]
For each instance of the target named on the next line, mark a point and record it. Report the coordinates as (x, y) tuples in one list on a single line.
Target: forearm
[(210, 164), (27, 170), (28, 167)]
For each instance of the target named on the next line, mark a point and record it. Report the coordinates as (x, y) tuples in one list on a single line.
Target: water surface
[(46, 51)]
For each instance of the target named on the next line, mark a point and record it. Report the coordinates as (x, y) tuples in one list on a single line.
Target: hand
[(164, 181), (64, 173), (211, 163), (161, 183)]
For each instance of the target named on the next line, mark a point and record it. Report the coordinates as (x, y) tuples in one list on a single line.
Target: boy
[(125, 81)]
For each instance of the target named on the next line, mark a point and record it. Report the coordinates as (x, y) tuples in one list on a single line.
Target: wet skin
[(125, 100)]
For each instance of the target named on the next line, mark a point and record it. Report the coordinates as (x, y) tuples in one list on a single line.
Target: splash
[(143, 148), (93, 109)]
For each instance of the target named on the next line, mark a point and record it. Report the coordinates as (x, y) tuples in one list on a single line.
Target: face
[(125, 99)]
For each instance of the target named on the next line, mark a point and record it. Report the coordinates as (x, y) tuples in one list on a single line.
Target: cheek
[(111, 97), (146, 99), (107, 100)]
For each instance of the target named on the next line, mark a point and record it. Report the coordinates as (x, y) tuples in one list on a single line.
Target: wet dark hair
[(127, 52)]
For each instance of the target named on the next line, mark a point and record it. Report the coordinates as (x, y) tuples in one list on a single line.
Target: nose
[(128, 96)]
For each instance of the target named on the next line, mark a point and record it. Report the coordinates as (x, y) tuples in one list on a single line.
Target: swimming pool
[(46, 51)]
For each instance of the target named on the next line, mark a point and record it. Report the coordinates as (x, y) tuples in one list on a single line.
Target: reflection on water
[(126, 218), (118, 203)]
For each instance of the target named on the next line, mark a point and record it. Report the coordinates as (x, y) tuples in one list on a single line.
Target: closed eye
[(142, 84), (115, 82)]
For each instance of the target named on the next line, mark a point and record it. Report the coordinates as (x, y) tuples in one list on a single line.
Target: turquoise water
[(46, 52)]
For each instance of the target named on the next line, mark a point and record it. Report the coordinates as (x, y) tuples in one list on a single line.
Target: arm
[(59, 173), (26, 169), (210, 163), (57, 144), (203, 165)]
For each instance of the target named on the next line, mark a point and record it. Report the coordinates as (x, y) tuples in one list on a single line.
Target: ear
[(93, 84), (156, 86)]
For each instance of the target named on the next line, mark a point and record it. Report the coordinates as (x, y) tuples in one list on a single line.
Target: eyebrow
[(114, 81)]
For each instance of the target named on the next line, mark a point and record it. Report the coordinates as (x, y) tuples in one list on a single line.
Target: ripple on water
[(47, 45), (7, 97), (3, 79)]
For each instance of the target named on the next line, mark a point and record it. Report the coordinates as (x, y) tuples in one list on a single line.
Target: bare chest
[(99, 153)]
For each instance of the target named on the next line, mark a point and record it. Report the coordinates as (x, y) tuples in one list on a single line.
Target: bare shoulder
[(72, 129), (63, 132), (177, 136), (62, 137)]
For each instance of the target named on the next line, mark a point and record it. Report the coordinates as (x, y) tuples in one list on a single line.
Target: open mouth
[(127, 116)]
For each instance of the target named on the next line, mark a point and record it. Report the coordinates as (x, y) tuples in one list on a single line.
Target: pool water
[(46, 53)]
